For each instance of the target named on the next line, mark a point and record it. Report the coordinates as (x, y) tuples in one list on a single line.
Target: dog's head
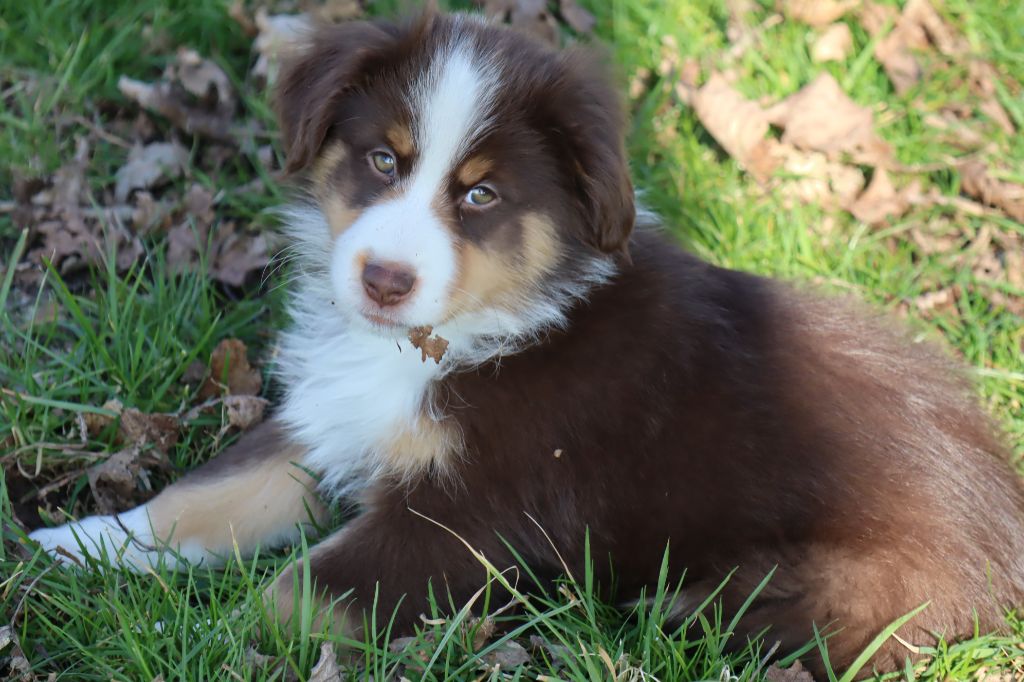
[(468, 178)]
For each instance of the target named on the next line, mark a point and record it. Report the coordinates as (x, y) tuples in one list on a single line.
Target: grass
[(74, 345)]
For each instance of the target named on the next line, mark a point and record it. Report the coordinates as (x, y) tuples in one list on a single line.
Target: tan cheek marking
[(414, 448), (400, 139), (541, 247), (474, 170), (488, 279), (236, 507), (339, 214), (320, 175)]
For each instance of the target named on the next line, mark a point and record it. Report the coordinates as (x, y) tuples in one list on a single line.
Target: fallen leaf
[(819, 180), (794, 673), (236, 255), (881, 201), (817, 13), (245, 411), (18, 668), (150, 166), (530, 16), (983, 77), (121, 481), (937, 236), (821, 117), (279, 35), (483, 629), (229, 364), (739, 26), (578, 18), (195, 95), (917, 28), (942, 300), (326, 669), (1006, 196), (507, 656), (138, 428), (736, 123), (833, 45), (430, 346), (958, 134)]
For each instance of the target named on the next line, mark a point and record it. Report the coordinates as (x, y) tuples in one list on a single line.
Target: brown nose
[(387, 283)]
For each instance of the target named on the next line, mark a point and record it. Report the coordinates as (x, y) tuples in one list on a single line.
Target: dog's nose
[(387, 283)]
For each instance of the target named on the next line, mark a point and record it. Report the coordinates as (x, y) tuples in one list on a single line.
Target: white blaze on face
[(449, 105)]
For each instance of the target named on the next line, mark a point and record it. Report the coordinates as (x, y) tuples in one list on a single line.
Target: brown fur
[(741, 423)]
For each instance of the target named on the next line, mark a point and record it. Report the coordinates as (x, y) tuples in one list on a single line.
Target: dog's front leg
[(386, 558), (253, 494)]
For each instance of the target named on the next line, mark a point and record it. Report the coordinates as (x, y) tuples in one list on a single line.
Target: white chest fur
[(350, 394)]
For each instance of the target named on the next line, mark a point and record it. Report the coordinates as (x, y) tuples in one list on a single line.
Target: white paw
[(124, 540)]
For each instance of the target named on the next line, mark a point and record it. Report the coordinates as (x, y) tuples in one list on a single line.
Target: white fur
[(123, 540), (451, 100)]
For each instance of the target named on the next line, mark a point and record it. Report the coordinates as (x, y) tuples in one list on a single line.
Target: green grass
[(132, 335)]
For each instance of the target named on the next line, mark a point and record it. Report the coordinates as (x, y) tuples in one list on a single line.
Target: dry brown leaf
[(956, 132), (236, 255), (17, 668), (833, 45), (983, 77), (122, 480), (326, 669), (820, 180), (821, 117), (1006, 196), (938, 236), (741, 14), (245, 411), (195, 95), (817, 12), (795, 673), (578, 18), (229, 364), (64, 226), (736, 123), (881, 201), (149, 167), (507, 656), (946, 40), (430, 346), (279, 35), (937, 302), (141, 428), (530, 16), (917, 28)]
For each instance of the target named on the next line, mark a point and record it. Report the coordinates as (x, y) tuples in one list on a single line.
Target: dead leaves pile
[(818, 146), (537, 18), (188, 120)]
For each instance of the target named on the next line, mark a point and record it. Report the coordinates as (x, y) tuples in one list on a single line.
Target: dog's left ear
[(592, 122)]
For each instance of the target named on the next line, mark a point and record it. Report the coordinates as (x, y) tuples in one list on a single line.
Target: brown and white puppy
[(464, 178)]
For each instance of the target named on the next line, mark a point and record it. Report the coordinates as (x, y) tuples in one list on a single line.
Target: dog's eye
[(481, 195), (384, 162)]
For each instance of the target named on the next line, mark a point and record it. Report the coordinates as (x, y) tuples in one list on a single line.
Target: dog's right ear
[(317, 77)]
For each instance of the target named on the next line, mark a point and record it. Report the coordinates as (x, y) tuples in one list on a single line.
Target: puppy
[(469, 187)]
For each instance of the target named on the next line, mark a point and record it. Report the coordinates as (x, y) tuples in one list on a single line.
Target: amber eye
[(481, 195), (384, 162)]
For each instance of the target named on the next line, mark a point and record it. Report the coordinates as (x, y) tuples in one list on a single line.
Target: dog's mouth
[(383, 322)]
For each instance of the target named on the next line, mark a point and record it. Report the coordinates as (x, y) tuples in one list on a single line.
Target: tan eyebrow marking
[(400, 139), (474, 170)]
